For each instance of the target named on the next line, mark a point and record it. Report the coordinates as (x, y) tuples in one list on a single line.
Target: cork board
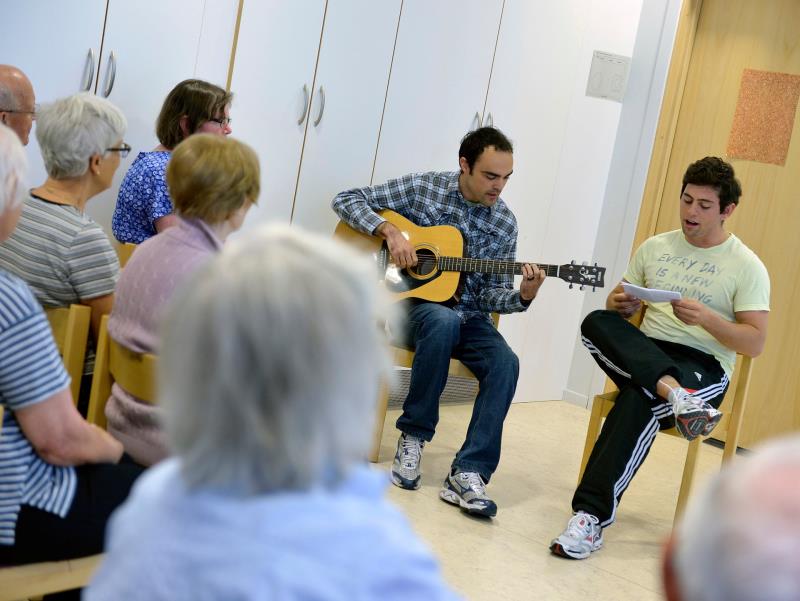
[(764, 118)]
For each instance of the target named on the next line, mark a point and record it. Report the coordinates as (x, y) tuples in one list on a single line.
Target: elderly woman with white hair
[(58, 481), (271, 364), (58, 250)]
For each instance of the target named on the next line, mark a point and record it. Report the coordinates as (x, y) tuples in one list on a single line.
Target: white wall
[(630, 160), (561, 160)]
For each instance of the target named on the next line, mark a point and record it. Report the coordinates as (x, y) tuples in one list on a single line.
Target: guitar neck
[(490, 266)]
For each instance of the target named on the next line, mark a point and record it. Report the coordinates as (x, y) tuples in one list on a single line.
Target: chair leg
[(592, 432), (689, 469), (380, 418)]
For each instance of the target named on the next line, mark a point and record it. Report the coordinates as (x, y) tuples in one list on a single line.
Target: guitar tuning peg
[(594, 289), (585, 263), (581, 288), (570, 286), (572, 262)]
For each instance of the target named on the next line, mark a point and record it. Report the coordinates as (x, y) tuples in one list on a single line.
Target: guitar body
[(425, 281)]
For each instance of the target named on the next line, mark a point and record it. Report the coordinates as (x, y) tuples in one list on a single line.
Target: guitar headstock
[(583, 275)]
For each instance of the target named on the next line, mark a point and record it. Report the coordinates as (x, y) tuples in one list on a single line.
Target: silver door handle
[(477, 120), (321, 106), (111, 74), (489, 120), (88, 71), (305, 105)]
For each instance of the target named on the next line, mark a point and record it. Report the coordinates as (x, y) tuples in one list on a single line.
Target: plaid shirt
[(434, 199)]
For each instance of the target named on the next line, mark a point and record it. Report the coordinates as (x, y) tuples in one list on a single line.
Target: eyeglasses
[(32, 113), (224, 122), (122, 150)]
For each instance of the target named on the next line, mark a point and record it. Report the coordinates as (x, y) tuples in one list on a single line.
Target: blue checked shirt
[(434, 199)]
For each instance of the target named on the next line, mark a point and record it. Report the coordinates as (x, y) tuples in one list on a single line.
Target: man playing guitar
[(468, 199)]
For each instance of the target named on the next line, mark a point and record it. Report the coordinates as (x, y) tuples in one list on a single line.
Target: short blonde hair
[(211, 177)]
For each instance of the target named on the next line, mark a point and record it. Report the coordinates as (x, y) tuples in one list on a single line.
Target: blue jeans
[(437, 333)]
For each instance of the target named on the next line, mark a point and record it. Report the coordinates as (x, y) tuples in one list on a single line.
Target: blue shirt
[(143, 198), (30, 372), (434, 198), (345, 544)]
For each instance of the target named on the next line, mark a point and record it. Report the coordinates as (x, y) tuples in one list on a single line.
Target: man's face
[(701, 220), (21, 120), (488, 177)]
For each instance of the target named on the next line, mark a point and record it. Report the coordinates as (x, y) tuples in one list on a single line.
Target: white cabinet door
[(155, 44), (352, 74), (57, 44), (273, 79), (440, 73)]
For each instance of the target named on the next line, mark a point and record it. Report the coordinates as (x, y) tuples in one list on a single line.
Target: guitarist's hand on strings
[(400, 249), (532, 278)]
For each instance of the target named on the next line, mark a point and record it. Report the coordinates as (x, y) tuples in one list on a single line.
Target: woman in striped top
[(58, 250), (58, 478)]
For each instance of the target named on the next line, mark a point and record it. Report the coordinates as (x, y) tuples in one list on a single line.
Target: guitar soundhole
[(426, 263)]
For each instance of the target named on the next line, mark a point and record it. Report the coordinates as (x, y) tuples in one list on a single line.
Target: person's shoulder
[(18, 300), (744, 255), (149, 164)]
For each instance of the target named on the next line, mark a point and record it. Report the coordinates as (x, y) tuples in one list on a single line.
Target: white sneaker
[(693, 416), (407, 464), (582, 536)]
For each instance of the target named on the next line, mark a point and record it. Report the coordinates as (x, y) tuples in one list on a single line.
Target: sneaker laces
[(411, 451), (580, 525), (475, 482)]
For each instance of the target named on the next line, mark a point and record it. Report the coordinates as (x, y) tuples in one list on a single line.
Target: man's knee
[(595, 321), (438, 321)]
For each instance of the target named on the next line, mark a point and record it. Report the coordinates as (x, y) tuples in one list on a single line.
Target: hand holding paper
[(652, 295)]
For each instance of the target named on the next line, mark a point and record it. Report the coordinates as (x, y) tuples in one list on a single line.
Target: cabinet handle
[(88, 70), (111, 74), (321, 106), (489, 120), (477, 120), (305, 105)]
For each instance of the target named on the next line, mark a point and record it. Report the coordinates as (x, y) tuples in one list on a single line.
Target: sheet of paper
[(651, 295)]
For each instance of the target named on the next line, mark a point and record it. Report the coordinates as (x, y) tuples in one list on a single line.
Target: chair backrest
[(134, 372), (70, 327), (124, 252)]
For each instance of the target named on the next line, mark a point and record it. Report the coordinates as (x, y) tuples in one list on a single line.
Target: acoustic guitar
[(440, 261)]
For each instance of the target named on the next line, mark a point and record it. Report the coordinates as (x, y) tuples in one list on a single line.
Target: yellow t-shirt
[(727, 278)]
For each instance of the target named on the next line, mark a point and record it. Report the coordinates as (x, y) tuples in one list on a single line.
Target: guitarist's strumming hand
[(401, 250), (532, 278)]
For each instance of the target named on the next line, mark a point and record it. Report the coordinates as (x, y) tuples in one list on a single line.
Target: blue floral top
[(143, 198)]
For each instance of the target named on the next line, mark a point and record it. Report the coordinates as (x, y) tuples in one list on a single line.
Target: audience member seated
[(271, 367), (213, 182), (58, 478), (740, 539), (58, 250), (143, 204)]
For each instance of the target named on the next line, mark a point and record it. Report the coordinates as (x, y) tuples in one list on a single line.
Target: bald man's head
[(17, 101)]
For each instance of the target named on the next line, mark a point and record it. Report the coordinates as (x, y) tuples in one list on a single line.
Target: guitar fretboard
[(490, 266)]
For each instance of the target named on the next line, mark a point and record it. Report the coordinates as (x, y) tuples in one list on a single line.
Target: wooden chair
[(124, 252), (403, 357), (70, 327), (733, 406), (134, 372), (36, 579)]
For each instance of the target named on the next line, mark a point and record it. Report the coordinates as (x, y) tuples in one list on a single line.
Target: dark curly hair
[(714, 172), (474, 143)]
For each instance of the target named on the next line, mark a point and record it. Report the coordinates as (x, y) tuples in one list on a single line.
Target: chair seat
[(35, 579)]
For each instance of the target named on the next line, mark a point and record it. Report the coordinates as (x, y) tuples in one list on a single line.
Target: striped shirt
[(63, 256), (434, 198), (30, 372)]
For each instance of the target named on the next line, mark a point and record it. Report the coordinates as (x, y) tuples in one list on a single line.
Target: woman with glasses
[(59, 476), (58, 250), (213, 181), (143, 206)]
